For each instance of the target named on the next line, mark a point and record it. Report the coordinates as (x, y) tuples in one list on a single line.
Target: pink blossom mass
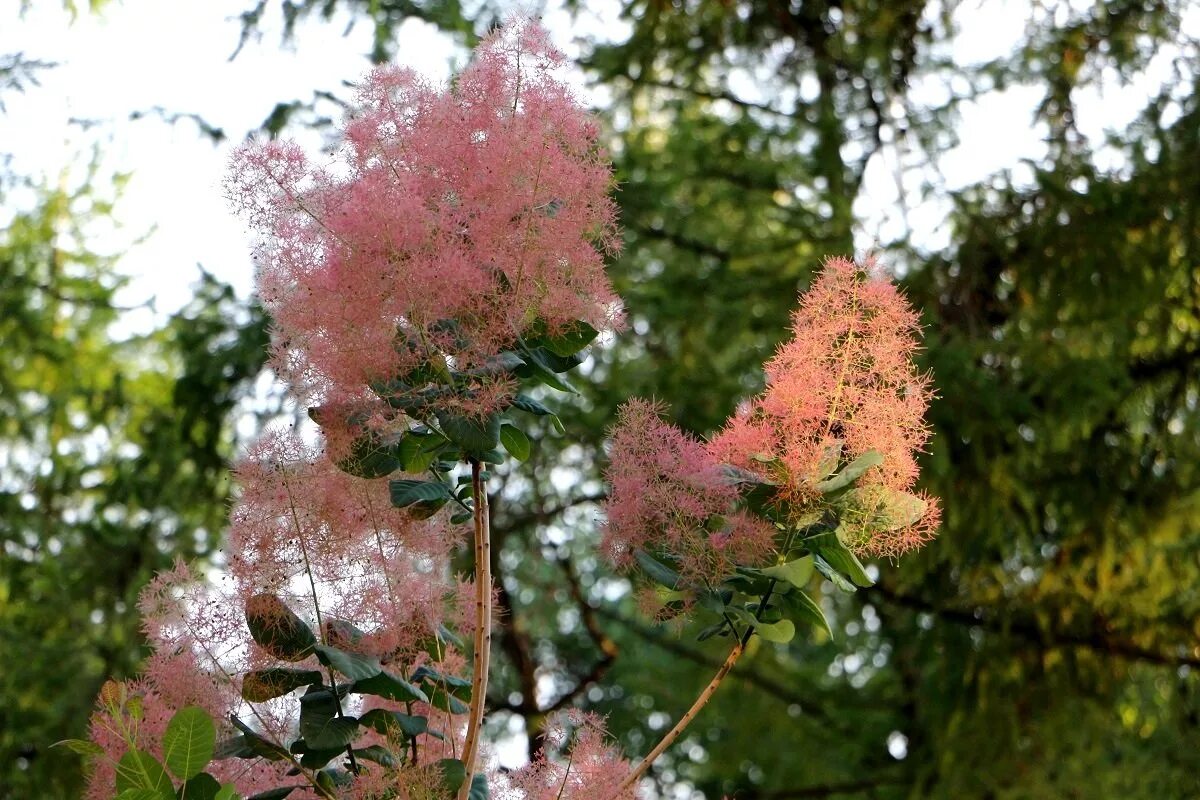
[(453, 221)]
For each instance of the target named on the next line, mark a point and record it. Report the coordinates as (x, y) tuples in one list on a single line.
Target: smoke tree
[(429, 289)]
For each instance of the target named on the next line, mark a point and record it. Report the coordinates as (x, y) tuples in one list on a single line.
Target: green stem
[(483, 625)]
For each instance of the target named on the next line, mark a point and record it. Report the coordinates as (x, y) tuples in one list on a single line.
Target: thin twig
[(684, 721)]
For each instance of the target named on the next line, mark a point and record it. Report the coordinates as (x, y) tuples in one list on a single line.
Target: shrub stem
[(483, 626)]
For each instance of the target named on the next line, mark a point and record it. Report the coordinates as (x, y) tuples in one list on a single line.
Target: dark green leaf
[(390, 687), (277, 629), (320, 725), (830, 548), (395, 723), (556, 363), (528, 404), (426, 509), (474, 436), (656, 570), (188, 742), (720, 628), (515, 441), (233, 747), (505, 361), (406, 492), (832, 575), (200, 787), (494, 456), (479, 787), (314, 757), (250, 744), (570, 340), (380, 755), (138, 769), (715, 601), (354, 666), (538, 365), (804, 608), (459, 687), (275, 794), (454, 773), (461, 517), (371, 458), (264, 684)]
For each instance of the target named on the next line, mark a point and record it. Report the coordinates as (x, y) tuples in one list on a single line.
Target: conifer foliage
[(426, 294)]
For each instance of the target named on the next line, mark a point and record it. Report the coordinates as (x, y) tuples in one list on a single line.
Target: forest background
[(1045, 645)]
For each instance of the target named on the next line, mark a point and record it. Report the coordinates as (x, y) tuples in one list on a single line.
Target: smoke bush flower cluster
[(843, 386), (669, 494), (459, 220)]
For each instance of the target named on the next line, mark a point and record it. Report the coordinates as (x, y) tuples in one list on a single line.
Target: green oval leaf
[(780, 632), (479, 787), (249, 744), (832, 575), (570, 339), (541, 365), (390, 687), (407, 492), (417, 451), (797, 573), (370, 458), (454, 774), (200, 787), (528, 404), (275, 794), (320, 724), (277, 629), (354, 666), (262, 685), (829, 547), (188, 742), (138, 769), (474, 436), (658, 571), (141, 794), (395, 723), (515, 441), (803, 607), (380, 755)]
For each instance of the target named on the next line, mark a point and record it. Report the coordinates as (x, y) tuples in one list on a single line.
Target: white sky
[(145, 53)]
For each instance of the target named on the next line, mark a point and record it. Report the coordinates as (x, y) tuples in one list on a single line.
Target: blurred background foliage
[(1045, 645)]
